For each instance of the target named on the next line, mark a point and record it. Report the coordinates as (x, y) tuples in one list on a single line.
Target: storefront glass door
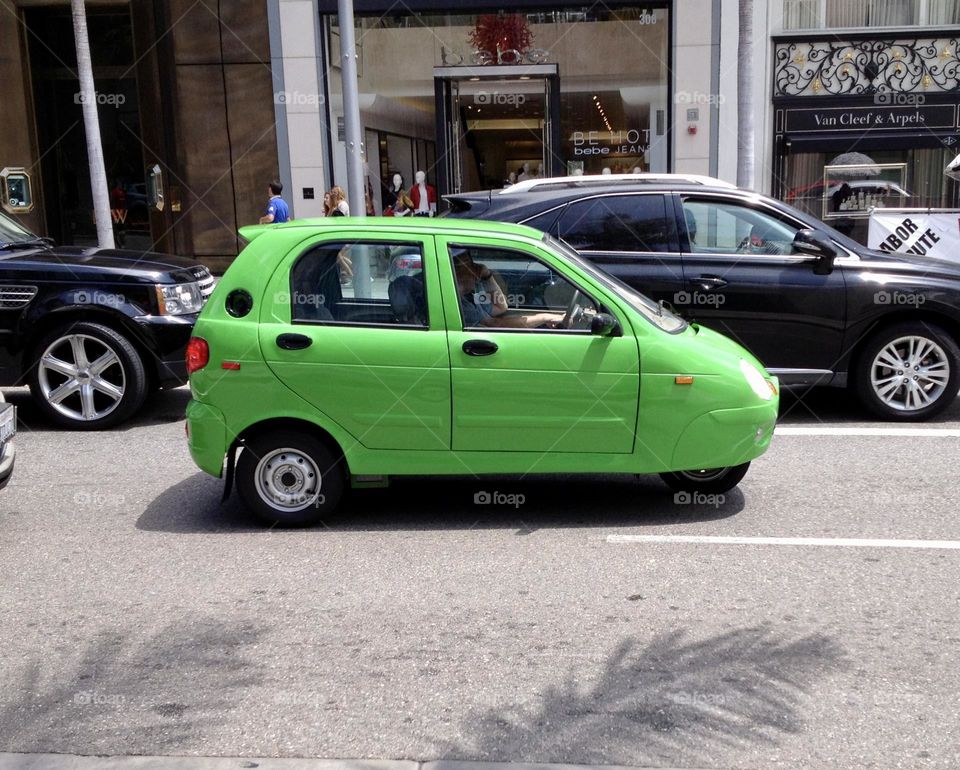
[(498, 125)]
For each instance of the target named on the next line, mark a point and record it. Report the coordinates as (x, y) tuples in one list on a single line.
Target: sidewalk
[(11, 761)]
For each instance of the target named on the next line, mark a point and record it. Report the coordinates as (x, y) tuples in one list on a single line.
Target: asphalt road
[(139, 616)]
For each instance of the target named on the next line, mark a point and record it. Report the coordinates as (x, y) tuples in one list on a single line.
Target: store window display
[(611, 110), (396, 201), (423, 196)]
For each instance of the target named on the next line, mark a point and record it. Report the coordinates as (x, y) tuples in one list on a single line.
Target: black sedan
[(91, 330), (815, 306)]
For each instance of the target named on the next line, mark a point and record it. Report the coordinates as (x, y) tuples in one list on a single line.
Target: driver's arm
[(498, 301), (523, 321)]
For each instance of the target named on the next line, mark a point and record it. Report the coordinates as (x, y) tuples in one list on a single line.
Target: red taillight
[(198, 354)]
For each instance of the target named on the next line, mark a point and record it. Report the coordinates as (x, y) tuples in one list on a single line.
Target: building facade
[(863, 107), (475, 97), (185, 96)]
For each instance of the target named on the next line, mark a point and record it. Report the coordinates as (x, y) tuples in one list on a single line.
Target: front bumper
[(167, 338), (8, 457), (726, 437)]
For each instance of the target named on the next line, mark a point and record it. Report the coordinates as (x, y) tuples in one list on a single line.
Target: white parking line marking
[(835, 542), (803, 430)]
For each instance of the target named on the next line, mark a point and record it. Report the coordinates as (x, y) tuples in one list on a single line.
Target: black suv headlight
[(179, 298)]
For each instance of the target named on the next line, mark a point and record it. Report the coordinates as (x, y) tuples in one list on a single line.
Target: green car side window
[(508, 289), (324, 289)]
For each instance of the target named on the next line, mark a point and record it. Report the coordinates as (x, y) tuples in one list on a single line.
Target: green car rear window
[(327, 284)]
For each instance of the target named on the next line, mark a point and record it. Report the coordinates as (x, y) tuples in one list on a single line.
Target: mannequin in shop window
[(396, 201), (524, 172), (424, 196)]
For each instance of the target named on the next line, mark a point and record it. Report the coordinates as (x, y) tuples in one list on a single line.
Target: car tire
[(103, 388), (289, 479), (706, 480), (926, 384)]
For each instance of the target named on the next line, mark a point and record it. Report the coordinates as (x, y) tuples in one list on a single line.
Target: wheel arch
[(946, 322), (58, 318), (271, 424)]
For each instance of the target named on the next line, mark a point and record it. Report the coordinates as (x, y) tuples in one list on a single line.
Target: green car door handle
[(479, 347), (293, 341)]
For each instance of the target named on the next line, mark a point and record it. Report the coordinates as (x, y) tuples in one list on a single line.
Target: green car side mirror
[(605, 325)]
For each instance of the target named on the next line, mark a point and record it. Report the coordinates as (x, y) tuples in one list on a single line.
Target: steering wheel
[(574, 312)]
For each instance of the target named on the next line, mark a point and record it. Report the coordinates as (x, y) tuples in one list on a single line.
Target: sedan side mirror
[(605, 325), (815, 244)]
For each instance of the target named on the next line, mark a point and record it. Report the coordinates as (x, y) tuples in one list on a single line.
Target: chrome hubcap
[(288, 480), (81, 377), (910, 373)]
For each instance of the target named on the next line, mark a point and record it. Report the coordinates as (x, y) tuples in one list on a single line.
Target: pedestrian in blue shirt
[(277, 209)]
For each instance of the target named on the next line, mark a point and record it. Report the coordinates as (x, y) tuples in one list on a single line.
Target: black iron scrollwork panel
[(831, 67)]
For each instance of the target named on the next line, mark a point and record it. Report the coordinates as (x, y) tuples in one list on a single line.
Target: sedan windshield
[(655, 313), (12, 232)]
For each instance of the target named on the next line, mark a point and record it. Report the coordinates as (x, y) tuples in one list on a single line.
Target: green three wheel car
[(339, 351)]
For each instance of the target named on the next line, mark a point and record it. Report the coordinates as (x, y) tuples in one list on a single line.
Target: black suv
[(93, 330), (815, 306)]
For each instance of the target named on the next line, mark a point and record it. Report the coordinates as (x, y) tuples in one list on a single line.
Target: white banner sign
[(925, 233)]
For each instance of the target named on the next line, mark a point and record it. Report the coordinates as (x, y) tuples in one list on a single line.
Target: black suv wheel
[(908, 371), (87, 376)]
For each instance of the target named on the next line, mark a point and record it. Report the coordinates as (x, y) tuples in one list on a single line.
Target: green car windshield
[(655, 313)]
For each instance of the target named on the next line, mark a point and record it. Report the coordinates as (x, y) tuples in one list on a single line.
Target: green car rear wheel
[(289, 478)]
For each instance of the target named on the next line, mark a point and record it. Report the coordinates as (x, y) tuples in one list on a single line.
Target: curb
[(15, 761)]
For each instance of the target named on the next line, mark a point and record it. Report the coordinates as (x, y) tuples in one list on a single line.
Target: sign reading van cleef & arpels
[(807, 119)]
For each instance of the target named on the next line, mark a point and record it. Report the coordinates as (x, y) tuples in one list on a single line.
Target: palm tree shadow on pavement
[(151, 692), (675, 702)]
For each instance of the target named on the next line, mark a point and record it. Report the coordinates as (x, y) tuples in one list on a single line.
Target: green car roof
[(414, 224)]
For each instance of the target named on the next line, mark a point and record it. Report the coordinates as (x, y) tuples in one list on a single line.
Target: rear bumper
[(206, 437)]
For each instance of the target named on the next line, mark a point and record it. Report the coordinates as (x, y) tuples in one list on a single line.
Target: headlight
[(757, 382), (179, 298)]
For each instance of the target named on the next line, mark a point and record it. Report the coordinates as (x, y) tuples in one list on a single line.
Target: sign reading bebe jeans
[(922, 232)]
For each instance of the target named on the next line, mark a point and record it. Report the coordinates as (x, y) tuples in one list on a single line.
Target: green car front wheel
[(706, 480)]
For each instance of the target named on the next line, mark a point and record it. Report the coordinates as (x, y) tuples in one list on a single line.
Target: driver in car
[(764, 239), (470, 275)]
